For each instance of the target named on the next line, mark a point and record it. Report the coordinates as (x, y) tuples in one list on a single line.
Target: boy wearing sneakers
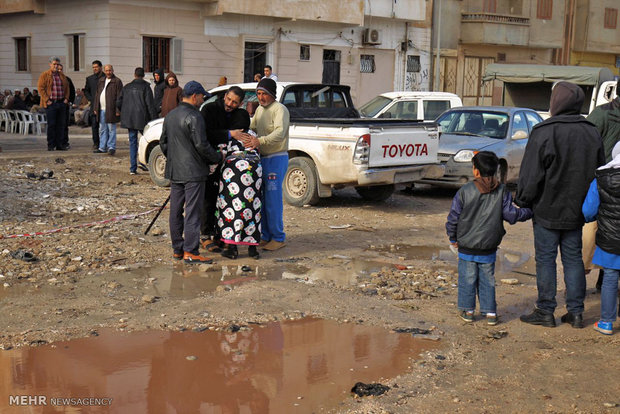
[(603, 202), (475, 226)]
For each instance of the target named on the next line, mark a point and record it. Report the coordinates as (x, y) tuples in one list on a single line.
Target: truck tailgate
[(403, 146)]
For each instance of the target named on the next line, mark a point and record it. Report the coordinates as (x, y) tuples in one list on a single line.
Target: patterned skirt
[(239, 201)]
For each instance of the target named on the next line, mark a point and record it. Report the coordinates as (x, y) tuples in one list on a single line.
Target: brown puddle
[(507, 260), (303, 366)]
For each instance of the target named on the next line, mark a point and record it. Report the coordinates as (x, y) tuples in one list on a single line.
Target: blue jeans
[(133, 150), (107, 134), (272, 222), (609, 294), (546, 242), (476, 278)]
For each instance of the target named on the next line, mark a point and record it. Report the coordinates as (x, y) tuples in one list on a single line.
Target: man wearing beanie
[(270, 123), (559, 163)]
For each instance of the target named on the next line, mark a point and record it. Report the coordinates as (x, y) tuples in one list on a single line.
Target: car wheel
[(376, 193), (300, 182), (157, 166)]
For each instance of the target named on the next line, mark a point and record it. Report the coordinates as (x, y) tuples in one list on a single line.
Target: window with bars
[(489, 6), (304, 52), (367, 63), (544, 10), (611, 18), (413, 63), (156, 53), (75, 52), (22, 54)]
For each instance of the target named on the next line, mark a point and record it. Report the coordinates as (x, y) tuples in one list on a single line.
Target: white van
[(420, 105)]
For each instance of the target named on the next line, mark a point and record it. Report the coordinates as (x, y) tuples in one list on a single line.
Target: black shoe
[(98, 151), (111, 152), (575, 319), (50, 148), (253, 252), (231, 252), (62, 148), (539, 317)]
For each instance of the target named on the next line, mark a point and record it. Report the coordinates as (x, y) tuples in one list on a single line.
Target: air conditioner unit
[(371, 36)]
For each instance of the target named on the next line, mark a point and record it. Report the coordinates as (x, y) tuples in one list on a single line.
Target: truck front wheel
[(300, 187), (376, 192), (157, 166)]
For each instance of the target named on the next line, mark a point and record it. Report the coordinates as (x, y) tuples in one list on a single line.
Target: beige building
[(474, 33), (372, 45)]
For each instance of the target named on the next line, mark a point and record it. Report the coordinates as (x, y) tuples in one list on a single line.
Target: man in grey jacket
[(137, 109), (184, 143)]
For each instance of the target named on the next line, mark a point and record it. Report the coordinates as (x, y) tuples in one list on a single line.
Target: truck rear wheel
[(157, 166), (300, 186), (375, 192)]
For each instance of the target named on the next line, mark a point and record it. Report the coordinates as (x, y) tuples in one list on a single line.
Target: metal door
[(331, 66)]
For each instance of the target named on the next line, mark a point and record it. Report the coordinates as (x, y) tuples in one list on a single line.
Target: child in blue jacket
[(475, 226), (602, 203)]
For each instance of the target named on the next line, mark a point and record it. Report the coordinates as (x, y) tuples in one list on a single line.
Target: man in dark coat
[(224, 120), (90, 90), (606, 118), (160, 86), (137, 109), (108, 90), (184, 143), (559, 163), (65, 138)]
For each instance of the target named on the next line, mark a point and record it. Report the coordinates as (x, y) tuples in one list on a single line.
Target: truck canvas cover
[(529, 86), (581, 75)]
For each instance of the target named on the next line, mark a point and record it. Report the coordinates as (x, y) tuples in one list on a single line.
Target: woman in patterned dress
[(238, 212)]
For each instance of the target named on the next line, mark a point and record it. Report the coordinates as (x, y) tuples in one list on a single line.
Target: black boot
[(253, 252), (231, 252), (539, 317), (575, 319)]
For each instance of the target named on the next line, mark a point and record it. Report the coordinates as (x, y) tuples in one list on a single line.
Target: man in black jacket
[(90, 90), (65, 139), (137, 109), (160, 86), (559, 163), (184, 143), (224, 120)]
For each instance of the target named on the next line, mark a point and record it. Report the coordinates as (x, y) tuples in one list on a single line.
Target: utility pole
[(438, 47)]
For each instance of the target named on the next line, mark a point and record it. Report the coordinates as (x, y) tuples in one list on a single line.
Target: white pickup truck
[(326, 152)]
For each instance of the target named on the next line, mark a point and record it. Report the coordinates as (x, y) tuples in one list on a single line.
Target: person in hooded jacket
[(603, 202), (559, 162), (173, 94), (158, 90)]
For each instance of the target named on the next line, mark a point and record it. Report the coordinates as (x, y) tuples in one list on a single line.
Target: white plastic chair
[(4, 120), (13, 121), (40, 120), (26, 120)]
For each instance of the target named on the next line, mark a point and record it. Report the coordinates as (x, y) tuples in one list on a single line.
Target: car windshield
[(475, 123), (374, 106)]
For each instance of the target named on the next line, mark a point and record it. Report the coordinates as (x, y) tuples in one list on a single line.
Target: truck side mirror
[(520, 134)]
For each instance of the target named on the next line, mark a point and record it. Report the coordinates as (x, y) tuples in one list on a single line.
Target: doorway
[(331, 67), (255, 59)]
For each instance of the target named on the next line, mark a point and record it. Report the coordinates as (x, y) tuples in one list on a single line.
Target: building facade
[(373, 46)]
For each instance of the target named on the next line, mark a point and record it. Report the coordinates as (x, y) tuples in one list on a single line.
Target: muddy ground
[(93, 276)]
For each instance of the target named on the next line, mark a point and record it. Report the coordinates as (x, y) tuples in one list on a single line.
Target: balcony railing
[(494, 18)]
